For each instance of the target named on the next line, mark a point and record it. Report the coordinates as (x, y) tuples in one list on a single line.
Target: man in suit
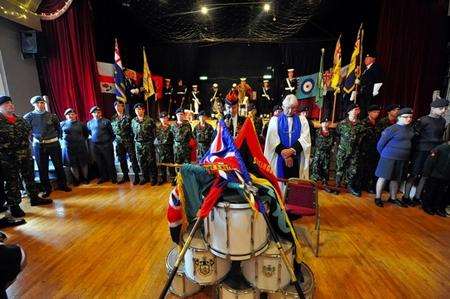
[(370, 81)]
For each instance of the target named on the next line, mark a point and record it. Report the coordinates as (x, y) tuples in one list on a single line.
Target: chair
[(301, 197)]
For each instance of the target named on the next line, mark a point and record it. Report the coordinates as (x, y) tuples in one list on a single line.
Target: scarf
[(283, 133)]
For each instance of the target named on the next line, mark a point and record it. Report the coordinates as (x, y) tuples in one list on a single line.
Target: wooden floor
[(111, 242)]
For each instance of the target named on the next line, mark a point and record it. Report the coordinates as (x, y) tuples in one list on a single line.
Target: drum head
[(171, 259)]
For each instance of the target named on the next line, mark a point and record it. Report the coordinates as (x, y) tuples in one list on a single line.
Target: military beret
[(4, 99), (117, 102), (69, 110), (163, 114), (138, 105), (36, 99), (439, 103), (351, 107), (405, 110), (372, 54), (373, 108), (95, 108), (276, 108), (391, 107), (179, 110), (251, 107)]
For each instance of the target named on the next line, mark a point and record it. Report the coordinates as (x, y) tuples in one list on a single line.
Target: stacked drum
[(235, 254)]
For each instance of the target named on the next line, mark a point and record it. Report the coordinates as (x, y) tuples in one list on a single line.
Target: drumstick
[(180, 258)]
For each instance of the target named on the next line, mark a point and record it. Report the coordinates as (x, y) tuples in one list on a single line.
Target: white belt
[(45, 141)]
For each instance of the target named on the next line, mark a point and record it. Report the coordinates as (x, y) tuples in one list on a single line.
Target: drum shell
[(226, 292), (267, 272), (203, 267), (289, 292), (234, 231), (181, 286)]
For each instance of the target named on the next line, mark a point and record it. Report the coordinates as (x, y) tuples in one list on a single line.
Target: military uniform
[(289, 86), (348, 153), (164, 150), (369, 155), (179, 97), (125, 146), (204, 134), (322, 153), (144, 136), (167, 92), (266, 100), (102, 137), (182, 134), (215, 104), (384, 123)]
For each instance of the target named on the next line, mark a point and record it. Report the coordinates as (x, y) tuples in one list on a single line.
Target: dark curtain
[(69, 73), (411, 50)]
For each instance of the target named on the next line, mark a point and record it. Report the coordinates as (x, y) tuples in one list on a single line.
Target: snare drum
[(200, 265), (267, 271), (181, 286), (308, 286), (235, 232), (236, 289)]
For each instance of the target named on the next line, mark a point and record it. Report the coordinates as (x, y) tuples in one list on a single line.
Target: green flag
[(319, 96)]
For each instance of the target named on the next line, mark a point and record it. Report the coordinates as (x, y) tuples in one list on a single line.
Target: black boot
[(407, 201), (16, 211), (415, 202), (428, 210), (398, 202), (441, 213), (379, 202), (136, 180), (354, 191), (39, 201), (145, 180), (124, 179), (9, 221)]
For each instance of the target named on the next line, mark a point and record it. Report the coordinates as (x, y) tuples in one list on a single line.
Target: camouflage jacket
[(204, 134), (323, 143), (182, 133), (384, 123), (371, 135), (350, 134), (143, 131), (122, 128), (15, 136)]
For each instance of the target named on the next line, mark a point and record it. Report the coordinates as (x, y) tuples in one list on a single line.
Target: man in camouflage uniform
[(144, 130), (391, 117), (350, 132), (182, 134), (321, 160), (369, 155), (164, 147), (121, 124), (204, 134)]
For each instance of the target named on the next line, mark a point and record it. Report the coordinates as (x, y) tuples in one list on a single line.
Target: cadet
[(289, 84), (266, 100), (215, 102), (144, 130), (204, 134), (164, 147), (102, 137), (182, 134), (75, 151), (121, 124), (350, 132), (368, 151), (322, 153), (429, 131), (46, 131), (391, 117)]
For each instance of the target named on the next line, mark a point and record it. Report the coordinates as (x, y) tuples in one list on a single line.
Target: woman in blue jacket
[(394, 147)]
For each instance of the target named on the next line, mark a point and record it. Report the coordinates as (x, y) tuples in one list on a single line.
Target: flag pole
[(334, 107), (357, 88), (320, 81)]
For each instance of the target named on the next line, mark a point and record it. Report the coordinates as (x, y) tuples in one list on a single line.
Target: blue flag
[(307, 86)]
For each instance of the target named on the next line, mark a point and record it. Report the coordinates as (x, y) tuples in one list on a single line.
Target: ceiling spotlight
[(266, 7), (204, 10)]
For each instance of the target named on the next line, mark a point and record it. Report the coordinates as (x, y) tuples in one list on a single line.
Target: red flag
[(211, 198)]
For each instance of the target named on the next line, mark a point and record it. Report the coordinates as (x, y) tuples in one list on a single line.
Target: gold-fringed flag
[(337, 61), (349, 84), (147, 82)]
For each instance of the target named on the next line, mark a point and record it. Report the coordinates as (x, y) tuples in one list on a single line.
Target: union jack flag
[(119, 76)]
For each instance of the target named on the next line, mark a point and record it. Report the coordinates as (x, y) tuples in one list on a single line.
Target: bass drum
[(181, 286), (308, 286), (267, 272), (200, 265), (233, 231)]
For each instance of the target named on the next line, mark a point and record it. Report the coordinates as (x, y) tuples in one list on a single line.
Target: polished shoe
[(3, 237), (86, 182), (9, 221), (16, 211), (354, 192), (371, 191), (123, 180), (113, 181), (144, 181), (415, 202), (379, 202), (399, 203), (39, 201), (65, 188), (407, 201), (136, 180), (441, 213), (46, 193), (3, 208), (428, 210), (160, 182), (76, 183), (101, 181), (153, 183)]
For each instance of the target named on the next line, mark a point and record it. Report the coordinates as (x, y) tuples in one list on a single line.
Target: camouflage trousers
[(145, 152), (182, 153), (165, 155), (10, 178), (26, 169), (347, 164), (320, 165), (122, 150)]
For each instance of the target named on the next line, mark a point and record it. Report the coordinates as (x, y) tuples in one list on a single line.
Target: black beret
[(138, 105), (351, 107), (372, 54), (373, 108), (4, 99), (69, 110), (391, 107), (439, 103), (405, 110), (117, 102), (325, 120), (163, 114), (95, 108), (179, 110)]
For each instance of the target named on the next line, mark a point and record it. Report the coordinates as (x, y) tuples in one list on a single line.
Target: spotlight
[(204, 10), (266, 7), (203, 78)]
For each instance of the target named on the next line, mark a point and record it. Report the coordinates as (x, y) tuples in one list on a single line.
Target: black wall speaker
[(28, 41)]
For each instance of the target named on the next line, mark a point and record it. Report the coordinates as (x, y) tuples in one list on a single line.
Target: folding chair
[(301, 197)]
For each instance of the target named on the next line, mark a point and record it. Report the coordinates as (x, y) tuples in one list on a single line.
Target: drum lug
[(227, 220), (252, 228)]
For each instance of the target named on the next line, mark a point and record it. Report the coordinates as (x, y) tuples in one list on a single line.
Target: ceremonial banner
[(106, 77), (307, 86), (337, 61), (147, 82), (119, 76), (349, 85)]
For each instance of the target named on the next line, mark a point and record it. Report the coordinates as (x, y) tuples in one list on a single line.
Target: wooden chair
[(301, 197)]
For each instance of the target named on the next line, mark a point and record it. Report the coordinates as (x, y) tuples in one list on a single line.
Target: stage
[(111, 242)]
